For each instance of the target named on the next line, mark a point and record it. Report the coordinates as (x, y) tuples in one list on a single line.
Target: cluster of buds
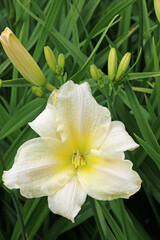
[(57, 67), (115, 72), (115, 75), (97, 75)]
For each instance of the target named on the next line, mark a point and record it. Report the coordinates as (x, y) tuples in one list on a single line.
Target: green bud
[(123, 66), (50, 58), (61, 61), (94, 72), (1, 83), (100, 78), (157, 8), (112, 64), (99, 73), (38, 91)]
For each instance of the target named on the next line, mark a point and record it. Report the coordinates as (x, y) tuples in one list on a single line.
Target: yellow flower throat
[(78, 160)]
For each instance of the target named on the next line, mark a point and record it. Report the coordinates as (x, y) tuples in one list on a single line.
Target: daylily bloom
[(21, 58), (79, 152)]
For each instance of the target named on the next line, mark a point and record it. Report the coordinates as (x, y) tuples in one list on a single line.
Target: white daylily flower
[(79, 152)]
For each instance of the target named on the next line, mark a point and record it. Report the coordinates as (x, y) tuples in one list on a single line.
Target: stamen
[(78, 160)]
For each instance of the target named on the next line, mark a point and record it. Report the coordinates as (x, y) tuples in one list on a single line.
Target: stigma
[(78, 160)]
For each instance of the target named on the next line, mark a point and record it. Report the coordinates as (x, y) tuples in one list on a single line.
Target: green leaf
[(143, 125), (150, 151), (114, 226), (141, 76), (18, 82), (22, 116), (79, 75)]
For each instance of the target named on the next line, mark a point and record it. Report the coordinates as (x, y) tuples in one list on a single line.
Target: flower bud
[(38, 91), (94, 72), (61, 60), (50, 58), (112, 64), (99, 73), (157, 8), (100, 78), (21, 59), (123, 66)]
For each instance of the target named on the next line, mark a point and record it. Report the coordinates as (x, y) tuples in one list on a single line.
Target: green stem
[(49, 87), (15, 201)]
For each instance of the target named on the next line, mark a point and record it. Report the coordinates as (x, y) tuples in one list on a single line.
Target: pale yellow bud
[(94, 72), (38, 91), (50, 58), (112, 64), (123, 66), (157, 8), (21, 59), (1, 83), (61, 61)]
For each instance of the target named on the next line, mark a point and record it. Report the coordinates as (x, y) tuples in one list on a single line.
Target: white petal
[(118, 139), (68, 200), (80, 117), (108, 176), (45, 123), (40, 168)]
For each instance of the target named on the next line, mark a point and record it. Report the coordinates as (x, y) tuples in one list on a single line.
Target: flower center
[(78, 160)]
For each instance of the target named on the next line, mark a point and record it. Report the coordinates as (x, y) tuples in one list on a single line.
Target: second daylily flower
[(79, 152)]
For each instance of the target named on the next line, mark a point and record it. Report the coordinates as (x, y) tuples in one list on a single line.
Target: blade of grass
[(150, 151), (15, 201), (80, 74), (99, 218), (115, 228), (143, 125), (156, 68)]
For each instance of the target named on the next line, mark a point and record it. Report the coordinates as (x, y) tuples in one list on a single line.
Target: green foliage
[(84, 31)]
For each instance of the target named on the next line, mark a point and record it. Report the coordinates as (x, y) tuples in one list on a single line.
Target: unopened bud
[(61, 61), (112, 64), (94, 72), (50, 58), (100, 78), (157, 8), (21, 58), (38, 91), (123, 66), (99, 73)]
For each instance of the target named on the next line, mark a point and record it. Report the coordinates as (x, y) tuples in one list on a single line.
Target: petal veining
[(80, 117), (45, 123), (118, 139), (68, 200), (40, 168), (108, 176)]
